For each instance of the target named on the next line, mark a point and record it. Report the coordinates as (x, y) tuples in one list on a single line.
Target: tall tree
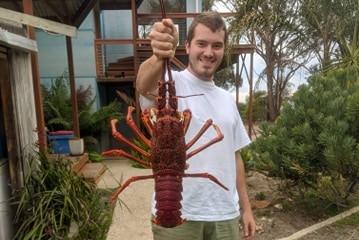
[(329, 27), (349, 37), (279, 42), (225, 78)]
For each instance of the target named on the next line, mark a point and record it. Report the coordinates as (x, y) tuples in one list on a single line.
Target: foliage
[(288, 34), (260, 196), (95, 157), (56, 105), (272, 26), (351, 220), (328, 23), (349, 51), (54, 196), (207, 5), (315, 141), (143, 146), (225, 78), (58, 111), (259, 110), (247, 160)]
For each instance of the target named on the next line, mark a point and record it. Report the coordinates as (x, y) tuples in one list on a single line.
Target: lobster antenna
[(166, 62), (163, 9)]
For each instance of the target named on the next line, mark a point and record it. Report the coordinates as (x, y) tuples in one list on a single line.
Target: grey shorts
[(198, 230)]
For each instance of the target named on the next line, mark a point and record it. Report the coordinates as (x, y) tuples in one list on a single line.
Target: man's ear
[(187, 45)]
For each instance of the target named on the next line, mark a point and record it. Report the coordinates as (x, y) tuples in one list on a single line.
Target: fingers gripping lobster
[(168, 150)]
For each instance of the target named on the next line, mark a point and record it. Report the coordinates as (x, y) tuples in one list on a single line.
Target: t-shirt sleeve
[(145, 102)]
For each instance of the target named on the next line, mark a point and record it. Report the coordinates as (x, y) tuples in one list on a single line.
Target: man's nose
[(208, 51)]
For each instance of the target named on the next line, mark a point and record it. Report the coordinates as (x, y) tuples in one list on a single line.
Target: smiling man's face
[(205, 52)]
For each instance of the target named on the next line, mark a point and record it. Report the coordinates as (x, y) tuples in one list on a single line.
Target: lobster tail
[(168, 188)]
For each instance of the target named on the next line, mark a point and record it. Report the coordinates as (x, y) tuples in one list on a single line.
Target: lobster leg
[(205, 175), (146, 119), (127, 155), (132, 125), (187, 116), (118, 136), (128, 182), (207, 124)]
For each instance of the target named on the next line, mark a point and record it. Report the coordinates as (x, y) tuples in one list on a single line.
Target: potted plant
[(76, 146)]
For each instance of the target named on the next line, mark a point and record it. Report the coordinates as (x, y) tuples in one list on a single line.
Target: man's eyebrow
[(204, 40)]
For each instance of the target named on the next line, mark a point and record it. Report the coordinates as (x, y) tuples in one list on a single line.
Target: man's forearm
[(241, 184), (149, 73)]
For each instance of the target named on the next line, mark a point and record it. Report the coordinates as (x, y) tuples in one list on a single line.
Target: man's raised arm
[(164, 39)]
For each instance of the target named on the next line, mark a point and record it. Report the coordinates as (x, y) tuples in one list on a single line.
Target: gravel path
[(131, 219)]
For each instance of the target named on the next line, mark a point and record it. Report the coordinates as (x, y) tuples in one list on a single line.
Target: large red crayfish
[(168, 150)]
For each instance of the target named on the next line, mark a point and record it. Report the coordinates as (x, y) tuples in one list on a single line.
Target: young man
[(211, 212)]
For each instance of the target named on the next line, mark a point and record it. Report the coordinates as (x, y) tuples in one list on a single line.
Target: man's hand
[(164, 39), (248, 226)]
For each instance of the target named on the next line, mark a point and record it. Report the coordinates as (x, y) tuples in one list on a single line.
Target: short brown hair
[(211, 19)]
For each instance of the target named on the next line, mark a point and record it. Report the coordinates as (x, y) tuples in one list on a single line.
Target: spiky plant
[(53, 197)]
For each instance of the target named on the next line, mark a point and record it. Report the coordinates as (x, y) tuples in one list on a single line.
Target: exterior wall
[(18, 110), (23, 97)]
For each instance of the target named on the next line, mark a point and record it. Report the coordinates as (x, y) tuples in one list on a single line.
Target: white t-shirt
[(204, 200)]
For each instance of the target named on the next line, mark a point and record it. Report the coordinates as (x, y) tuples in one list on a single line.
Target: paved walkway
[(131, 219)]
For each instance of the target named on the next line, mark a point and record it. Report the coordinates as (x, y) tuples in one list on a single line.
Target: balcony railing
[(117, 60)]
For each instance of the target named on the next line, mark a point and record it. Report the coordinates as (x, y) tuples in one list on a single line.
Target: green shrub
[(143, 146), (314, 141), (259, 107), (95, 157), (247, 160)]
